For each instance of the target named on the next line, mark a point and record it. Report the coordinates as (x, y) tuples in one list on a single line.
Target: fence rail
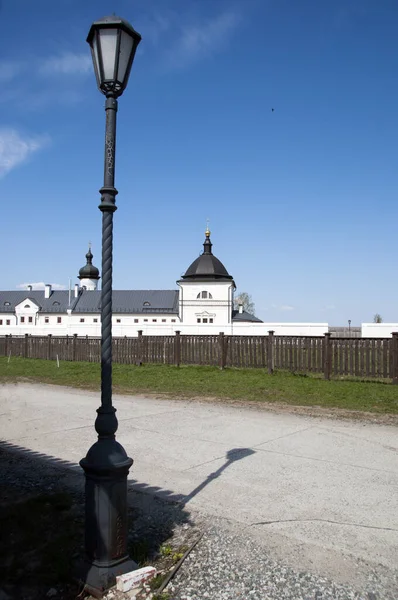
[(332, 357)]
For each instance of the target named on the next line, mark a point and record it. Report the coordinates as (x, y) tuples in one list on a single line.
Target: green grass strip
[(200, 381)]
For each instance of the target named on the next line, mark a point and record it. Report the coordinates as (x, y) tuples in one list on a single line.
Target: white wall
[(237, 328), (378, 330), (151, 324), (218, 308), (71, 324), (89, 284)]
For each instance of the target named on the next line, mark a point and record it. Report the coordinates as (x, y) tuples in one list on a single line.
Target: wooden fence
[(332, 357)]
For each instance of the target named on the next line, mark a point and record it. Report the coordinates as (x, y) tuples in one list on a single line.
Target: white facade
[(123, 325), (378, 330), (89, 284), (206, 302)]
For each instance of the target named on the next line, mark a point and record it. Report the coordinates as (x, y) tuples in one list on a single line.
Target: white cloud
[(202, 39), (9, 69), (40, 285), (15, 149), (154, 28), (283, 307), (67, 63)]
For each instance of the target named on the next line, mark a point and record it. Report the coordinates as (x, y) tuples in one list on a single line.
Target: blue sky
[(302, 201)]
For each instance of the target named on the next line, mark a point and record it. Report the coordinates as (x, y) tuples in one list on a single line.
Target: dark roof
[(207, 267), (245, 316), (56, 303), (124, 301), (131, 301), (89, 271)]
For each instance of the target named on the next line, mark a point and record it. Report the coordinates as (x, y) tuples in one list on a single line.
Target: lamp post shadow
[(232, 456)]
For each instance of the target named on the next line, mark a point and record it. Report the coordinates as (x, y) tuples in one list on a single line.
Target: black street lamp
[(113, 43)]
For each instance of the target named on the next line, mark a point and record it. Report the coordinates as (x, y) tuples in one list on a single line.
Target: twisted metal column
[(106, 465), (106, 423)]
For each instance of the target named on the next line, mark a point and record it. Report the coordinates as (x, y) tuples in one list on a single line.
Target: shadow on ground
[(42, 521)]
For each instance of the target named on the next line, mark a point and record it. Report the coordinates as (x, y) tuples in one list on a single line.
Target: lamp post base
[(98, 578), (106, 467)]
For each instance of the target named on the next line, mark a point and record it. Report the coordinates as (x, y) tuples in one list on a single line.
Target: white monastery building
[(202, 304)]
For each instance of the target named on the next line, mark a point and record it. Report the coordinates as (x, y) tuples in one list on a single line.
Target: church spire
[(207, 243)]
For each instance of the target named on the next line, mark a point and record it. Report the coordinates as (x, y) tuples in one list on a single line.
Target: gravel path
[(227, 565)]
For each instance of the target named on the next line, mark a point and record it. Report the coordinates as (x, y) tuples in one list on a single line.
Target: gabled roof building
[(202, 304)]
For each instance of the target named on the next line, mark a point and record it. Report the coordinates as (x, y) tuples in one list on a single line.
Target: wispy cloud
[(283, 307), (67, 63), (329, 307), (15, 149), (9, 69), (40, 285), (58, 72), (204, 39), (192, 40)]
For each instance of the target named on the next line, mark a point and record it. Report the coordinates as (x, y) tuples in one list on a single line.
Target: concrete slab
[(320, 493)]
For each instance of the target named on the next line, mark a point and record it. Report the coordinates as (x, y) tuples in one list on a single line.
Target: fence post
[(177, 348), (270, 352), (221, 350), (394, 349), (6, 346), (327, 364), (74, 346), (49, 347), (25, 353), (140, 349)]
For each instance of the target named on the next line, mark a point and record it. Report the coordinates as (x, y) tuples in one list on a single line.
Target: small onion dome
[(89, 271)]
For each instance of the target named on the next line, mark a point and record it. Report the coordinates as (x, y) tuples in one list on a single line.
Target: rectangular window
[(135, 320), (145, 320), (173, 320), (8, 322), (22, 319), (204, 294), (1, 321), (46, 320), (198, 320), (30, 319), (154, 320), (210, 320), (205, 320), (81, 320), (95, 320), (118, 321), (59, 319), (163, 320)]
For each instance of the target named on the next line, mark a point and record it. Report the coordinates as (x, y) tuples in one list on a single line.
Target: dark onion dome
[(89, 271), (207, 267)]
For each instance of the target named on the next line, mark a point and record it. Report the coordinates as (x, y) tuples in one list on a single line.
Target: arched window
[(27, 306), (7, 303), (56, 303), (205, 295), (147, 304)]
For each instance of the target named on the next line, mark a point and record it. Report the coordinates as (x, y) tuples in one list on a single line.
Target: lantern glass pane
[(126, 46), (97, 67), (108, 41)]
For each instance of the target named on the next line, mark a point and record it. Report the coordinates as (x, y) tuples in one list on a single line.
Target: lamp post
[(349, 327), (113, 44)]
